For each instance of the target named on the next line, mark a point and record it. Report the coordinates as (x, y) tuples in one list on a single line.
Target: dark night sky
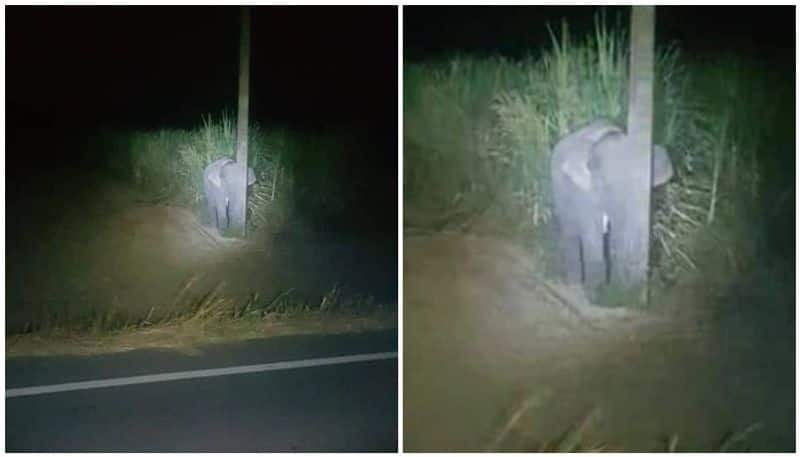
[(165, 66), (518, 31)]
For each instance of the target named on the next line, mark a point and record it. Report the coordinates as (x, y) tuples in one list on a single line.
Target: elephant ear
[(215, 179), (662, 166), (582, 147), (251, 176), (578, 172)]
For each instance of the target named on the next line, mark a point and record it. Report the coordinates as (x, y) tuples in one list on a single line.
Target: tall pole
[(240, 217), (640, 136)]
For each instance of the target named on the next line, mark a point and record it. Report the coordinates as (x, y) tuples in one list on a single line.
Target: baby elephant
[(592, 200), (223, 187)]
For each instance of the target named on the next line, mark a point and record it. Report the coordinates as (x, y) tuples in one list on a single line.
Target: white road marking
[(164, 377)]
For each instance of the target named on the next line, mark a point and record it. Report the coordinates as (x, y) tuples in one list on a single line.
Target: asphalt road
[(346, 407)]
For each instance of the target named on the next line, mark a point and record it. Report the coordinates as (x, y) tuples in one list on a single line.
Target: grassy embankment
[(164, 168)]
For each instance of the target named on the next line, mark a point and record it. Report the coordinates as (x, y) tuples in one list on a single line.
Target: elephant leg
[(212, 203), (216, 196), (215, 205), (222, 212), (594, 263), (212, 214), (235, 179)]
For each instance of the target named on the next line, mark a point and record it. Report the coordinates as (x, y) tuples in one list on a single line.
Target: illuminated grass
[(299, 174), (166, 165), (478, 133), (213, 306)]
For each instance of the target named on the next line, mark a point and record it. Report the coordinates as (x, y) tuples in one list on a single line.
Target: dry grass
[(188, 338), (571, 441), (574, 440), (187, 323)]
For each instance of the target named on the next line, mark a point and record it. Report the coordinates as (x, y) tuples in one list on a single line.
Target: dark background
[(430, 32), (762, 36), (72, 70), (164, 66)]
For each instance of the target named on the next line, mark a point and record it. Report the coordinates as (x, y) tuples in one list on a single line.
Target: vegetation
[(478, 133), (213, 306), (297, 181), (297, 185), (167, 165), (211, 316)]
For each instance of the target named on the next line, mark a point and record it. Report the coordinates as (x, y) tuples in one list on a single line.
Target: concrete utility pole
[(636, 250), (239, 218)]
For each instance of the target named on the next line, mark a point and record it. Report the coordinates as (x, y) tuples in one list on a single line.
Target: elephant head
[(223, 187), (221, 171), (594, 153)]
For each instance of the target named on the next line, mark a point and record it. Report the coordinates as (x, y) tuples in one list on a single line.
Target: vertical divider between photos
[(400, 227)]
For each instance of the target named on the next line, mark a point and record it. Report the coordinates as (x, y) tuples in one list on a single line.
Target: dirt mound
[(493, 289), (475, 316), (162, 235), (129, 258), (487, 338), (86, 244), (142, 256)]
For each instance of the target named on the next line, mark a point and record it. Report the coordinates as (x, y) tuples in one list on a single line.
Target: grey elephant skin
[(591, 186), (223, 187)]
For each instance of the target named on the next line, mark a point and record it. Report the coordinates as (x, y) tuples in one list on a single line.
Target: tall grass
[(479, 129), (715, 120), (167, 165), (448, 121), (302, 181)]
